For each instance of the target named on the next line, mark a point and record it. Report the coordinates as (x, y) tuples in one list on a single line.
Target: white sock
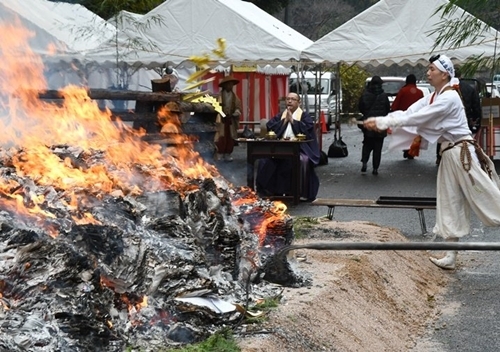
[(447, 262)]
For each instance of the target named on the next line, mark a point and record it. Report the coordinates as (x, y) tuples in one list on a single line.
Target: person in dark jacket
[(472, 104), (373, 102)]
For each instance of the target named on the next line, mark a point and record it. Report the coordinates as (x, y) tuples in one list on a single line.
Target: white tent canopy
[(393, 32), (179, 29), (42, 42), (124, 19), (70, 25), (62, 34)]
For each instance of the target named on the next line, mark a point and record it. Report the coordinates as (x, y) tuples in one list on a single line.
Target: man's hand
[(371, 124), (289, 116)]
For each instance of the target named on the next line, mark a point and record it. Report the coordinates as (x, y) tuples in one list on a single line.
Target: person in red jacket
[(407, 95)]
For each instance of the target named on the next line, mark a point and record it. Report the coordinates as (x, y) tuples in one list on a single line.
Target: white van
[(319, 89), (496, 81)]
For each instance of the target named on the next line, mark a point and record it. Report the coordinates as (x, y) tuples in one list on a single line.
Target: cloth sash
[(466, 158), (297, 114)]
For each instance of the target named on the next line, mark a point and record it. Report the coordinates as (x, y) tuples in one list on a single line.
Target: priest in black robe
[(274, 175)]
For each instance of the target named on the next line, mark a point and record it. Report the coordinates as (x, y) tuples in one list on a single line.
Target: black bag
[(247, 133), (338, 149), (323, 158)]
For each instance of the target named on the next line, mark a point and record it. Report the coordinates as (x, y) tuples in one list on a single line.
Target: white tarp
[(72, 30), (72, 24), (42, 42), (393, 32), (61, 33), (125, 19), (179, 29)]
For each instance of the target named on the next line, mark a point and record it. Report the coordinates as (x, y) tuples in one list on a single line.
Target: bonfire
[(109, 242)]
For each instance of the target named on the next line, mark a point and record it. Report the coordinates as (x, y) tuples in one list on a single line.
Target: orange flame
[(135, 306), (128, 165), (276, 213), (86, 218)]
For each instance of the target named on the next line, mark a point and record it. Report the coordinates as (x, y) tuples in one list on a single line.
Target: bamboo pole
[(395, 246)]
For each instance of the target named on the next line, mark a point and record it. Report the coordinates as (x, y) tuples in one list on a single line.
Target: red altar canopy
[(259, 93)]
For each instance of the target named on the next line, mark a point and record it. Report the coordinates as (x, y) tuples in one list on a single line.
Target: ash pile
[(109, 243), (112, 272)]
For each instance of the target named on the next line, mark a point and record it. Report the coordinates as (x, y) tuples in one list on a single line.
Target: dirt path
[(358, 301)]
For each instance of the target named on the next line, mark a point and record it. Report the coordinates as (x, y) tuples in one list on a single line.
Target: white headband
[(444, 64)]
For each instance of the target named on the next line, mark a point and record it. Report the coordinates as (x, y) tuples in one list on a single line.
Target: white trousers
[(457, 194)]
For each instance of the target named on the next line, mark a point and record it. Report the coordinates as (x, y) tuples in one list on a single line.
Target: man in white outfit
[(466, 177)]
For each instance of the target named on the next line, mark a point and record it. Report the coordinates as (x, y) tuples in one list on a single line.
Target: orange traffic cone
[(323, 122)]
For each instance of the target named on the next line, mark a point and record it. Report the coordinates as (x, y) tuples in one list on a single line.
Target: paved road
[(471, 309)]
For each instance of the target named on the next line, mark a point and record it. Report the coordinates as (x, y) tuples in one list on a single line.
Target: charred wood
[(103, 94), (113, 283), (154, 97), (201, 108)]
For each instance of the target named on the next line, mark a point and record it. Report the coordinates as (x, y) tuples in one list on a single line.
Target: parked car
[(424, 90), (496, 80), (320, 90), (492, 91), (391, 85), (425, 87)]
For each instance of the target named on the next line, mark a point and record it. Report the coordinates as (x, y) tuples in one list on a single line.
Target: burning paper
[(101, 231)]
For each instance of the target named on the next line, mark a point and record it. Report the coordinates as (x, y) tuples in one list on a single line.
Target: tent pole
[(298, 79), (338, 87), (491, 129), (249, 97), (317, 96)]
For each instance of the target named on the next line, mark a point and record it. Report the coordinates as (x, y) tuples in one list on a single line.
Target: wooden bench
[(417, 203)]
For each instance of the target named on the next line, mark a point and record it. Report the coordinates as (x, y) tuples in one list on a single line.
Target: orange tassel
[(415, 147)]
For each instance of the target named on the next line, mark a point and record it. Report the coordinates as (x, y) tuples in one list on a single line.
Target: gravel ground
[(466, 299), (358, 300)]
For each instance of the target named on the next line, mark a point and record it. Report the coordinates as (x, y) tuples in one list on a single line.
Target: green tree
[(108, 8), (467, 30), (314, 19), (353, 82), (270, 6), (68, 1)]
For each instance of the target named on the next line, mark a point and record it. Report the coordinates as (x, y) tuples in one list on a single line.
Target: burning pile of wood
[(108, 242), (119, 279)]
